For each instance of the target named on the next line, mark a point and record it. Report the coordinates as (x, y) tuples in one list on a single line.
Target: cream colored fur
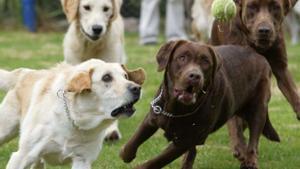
[(35, 104), (77, 44), (78, 47), (202, 19)]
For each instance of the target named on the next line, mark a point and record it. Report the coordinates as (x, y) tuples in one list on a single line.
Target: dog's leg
[(256, 116), (237, 139), (112, 133), (80, 163), (9, 117), (189, 158), (278, 61), (21, 159), (145, 131), (38, 165), (167, 156), (32, 142)]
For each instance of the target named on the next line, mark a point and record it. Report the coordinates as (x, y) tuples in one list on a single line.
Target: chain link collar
[(159, 110), (62, 95)]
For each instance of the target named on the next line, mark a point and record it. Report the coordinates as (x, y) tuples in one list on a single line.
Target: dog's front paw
[(296, 108), (239, 152), (248, 166), (127, 154), (250, 162), (113, 136)]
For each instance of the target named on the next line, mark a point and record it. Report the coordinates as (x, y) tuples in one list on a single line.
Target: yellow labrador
[(96, 31), (63, 112)]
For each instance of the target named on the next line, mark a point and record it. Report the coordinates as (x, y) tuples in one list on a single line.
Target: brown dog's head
[(262, 19), (189, 68)]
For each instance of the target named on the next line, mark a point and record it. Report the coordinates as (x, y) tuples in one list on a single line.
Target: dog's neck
[(87, 121)]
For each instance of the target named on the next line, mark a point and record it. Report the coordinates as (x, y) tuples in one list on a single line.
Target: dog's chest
[(189, 130), (62, 149)]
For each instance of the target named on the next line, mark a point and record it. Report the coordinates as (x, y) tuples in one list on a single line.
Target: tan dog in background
[(96, 31), (63, 112), (202, 19)]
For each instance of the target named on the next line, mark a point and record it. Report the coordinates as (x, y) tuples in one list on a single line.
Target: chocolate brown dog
[(203, 87), (258, 24)]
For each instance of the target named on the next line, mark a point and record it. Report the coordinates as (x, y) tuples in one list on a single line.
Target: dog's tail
[(269, 132), (9, 79)]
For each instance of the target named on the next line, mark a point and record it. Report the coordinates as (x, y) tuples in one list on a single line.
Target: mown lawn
[(21, 49)]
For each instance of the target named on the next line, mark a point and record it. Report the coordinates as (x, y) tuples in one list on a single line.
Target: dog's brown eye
[(182, 58), (274, 7), (252, 8), (107, 78), (204, 62), (105, 9), (87, 7)]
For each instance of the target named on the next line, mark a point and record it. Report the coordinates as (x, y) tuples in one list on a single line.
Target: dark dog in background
[(203, 87), (258, 24)]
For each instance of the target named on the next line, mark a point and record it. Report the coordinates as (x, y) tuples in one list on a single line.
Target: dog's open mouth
[(263, 42), (126, 110), (187, 95)]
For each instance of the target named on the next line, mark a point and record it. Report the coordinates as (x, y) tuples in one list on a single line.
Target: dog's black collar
[(157, 109)]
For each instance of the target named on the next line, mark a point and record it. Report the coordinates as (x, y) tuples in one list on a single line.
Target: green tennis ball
[(223, 10)]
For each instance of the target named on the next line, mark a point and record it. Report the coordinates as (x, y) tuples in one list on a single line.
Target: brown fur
[(80, 82), (138, 75), (258, 24), (221, 92), (70, 8)]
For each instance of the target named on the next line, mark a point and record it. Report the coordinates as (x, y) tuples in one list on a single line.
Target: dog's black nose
[(194, 77), (264, 30), (135, 90), (97, 29)]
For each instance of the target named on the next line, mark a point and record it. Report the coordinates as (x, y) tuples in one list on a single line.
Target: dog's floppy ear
[(238, 2), (116, 7), (79, 82), (70, 8), (288, 5), (165, 52), (138, 76), (216, 61)]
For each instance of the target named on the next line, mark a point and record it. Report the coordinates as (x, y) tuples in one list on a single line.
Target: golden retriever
[(96, 31), (63, 112)]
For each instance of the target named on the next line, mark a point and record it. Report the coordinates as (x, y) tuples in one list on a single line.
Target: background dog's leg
[(256, 115), (39, 165), (167, 156), (112, 133), (189, 158), (144, 131), (237, 139), (9, 117), (278, 61)]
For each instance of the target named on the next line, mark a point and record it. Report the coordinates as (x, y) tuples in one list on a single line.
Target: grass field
[(21, 49)]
